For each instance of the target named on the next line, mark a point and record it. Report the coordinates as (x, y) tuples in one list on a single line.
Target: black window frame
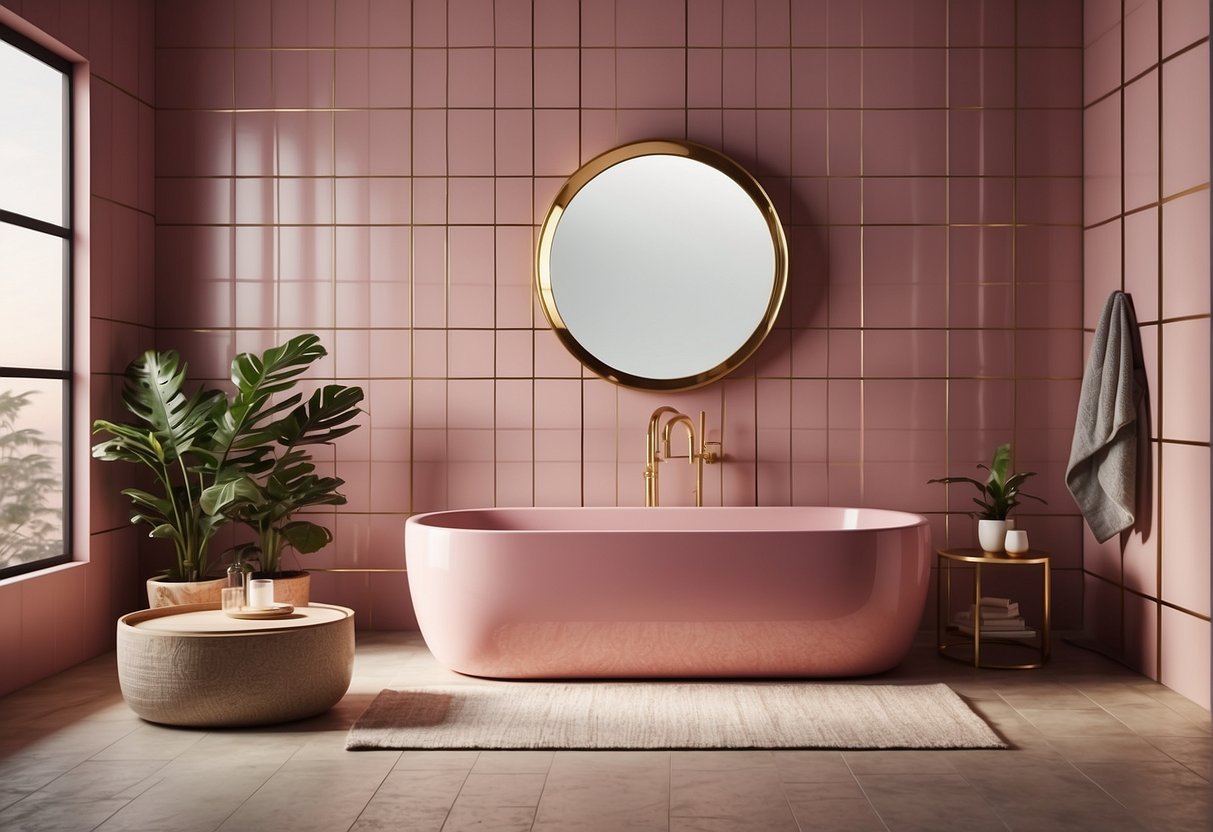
[(65, 232)]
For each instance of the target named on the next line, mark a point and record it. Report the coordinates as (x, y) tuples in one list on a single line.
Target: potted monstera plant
[(997, 495), (172, 436), (216, 460), (266, 473)]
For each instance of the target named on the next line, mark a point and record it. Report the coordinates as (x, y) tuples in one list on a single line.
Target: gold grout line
[(1157, 601), (634, 48), (203, 330), (1015, 244), (863, 435), (412, 287), (934, 177), (580, 156), (482, 108), (939, 225), (116, 87), (1158, 472), (1122, 539), (446, 265), (115, 202), (1195, 189), (534, 244), (947, 356), (1157, 65)]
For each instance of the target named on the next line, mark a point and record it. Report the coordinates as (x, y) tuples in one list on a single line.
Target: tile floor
[(1095, 747)]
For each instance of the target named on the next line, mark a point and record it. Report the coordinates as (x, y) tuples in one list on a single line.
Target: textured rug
[(670, 715)]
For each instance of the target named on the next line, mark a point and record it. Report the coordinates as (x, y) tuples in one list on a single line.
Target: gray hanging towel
[(1103, 456)]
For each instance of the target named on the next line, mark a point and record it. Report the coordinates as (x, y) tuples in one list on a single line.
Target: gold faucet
[(695, 456)]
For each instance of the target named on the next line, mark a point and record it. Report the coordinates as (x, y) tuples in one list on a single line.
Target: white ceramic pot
[(1016, 542), (162, 593), (991, 534)]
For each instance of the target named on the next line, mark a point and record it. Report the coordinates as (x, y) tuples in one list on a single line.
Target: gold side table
[(978, 559)]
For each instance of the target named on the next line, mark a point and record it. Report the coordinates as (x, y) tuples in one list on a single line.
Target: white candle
[(261, 593)]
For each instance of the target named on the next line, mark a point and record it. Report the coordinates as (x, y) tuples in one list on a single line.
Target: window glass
[(31, 284), (35, 306), (32, 136), (32, 504)]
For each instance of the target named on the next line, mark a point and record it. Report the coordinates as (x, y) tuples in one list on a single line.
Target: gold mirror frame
[(698, 153)]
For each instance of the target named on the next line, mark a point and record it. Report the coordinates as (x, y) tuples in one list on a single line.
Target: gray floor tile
[(1163, 796), (737, 798), (411, 801), (1194, 752), (311, 796), (836, 815), (929, 802), (1049, 797), (46, 813)]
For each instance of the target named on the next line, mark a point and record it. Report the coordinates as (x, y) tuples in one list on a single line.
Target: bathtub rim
[(909, 520)]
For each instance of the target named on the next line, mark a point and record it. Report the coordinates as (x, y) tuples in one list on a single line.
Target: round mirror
[(661, 265)]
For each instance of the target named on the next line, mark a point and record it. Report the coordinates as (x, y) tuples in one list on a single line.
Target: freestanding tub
[(668, 592)]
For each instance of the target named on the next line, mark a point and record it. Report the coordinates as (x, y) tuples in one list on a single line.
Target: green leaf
[(1000, 464), (306, 537), (232, 492)]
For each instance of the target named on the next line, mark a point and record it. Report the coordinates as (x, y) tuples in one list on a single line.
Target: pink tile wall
[(55, 619), (377, 174), (1148, 595)]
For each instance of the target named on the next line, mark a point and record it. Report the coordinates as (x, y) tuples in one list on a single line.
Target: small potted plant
[(997, 496)]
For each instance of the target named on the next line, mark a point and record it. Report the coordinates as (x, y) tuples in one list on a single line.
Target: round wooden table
[(194, 665)]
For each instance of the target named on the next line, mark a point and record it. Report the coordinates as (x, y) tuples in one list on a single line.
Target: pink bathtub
[(673, 592)]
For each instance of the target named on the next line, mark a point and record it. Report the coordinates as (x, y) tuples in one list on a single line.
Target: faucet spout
[(652, 460), (657, 448), (684, 420)]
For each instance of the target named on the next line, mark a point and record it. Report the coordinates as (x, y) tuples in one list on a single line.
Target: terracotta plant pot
[(162, 593)]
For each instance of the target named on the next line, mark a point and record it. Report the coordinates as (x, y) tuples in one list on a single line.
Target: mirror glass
[(661, 265)]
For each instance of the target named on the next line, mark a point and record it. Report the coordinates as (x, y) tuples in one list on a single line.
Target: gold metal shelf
[(977, 559)]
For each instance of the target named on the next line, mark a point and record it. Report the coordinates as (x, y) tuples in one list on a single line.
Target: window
[(35, 305)]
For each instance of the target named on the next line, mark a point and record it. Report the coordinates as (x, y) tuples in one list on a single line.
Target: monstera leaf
[(172, 438)]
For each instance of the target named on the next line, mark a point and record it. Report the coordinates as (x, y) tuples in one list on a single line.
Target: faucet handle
[(712, 457)]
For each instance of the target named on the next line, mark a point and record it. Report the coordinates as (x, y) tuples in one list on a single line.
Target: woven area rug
[(670, 715)]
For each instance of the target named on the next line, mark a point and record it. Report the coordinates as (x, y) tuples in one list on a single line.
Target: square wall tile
[(904, 78), (1049, 77), (1185, 526), (1048, 142), (904, 142), (1183, 22), (1141, 36), (1141, 142), (1185, 380), (1141, 263), (892, 23), (1185, 655), (1185, 121), (1141, 546), (1102, 65), (1101, 270), (981, 77), (1101, 160), (1185, 256)]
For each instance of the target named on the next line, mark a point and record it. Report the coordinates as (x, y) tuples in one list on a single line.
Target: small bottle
[(237, 575)]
